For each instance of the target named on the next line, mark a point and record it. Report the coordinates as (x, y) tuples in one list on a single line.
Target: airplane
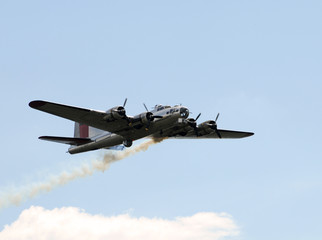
[(113, 129)]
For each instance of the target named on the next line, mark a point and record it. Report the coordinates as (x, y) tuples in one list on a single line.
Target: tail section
[(83, 134), (83, 140), (81, 130), (84, 131)]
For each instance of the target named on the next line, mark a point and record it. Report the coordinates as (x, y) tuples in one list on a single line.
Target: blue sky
[(258, 63)]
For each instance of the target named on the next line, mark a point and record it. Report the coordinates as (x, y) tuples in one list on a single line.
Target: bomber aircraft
[(113, 129)]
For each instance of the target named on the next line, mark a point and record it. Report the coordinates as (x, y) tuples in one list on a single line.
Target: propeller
[(214, 126), (217, 117), (195, 127), (124, 102), (150, 117), (193, 123), (145, 107), (121, 110), (125, 117)]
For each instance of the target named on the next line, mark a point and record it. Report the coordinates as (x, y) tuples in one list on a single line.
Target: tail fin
[(81, 130), (84, 131)]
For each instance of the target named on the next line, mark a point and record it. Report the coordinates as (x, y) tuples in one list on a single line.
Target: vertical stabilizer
[(84, 131), (76, 130)]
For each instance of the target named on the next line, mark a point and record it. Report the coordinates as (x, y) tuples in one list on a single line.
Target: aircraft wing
[(223, 133), (89, 117), (186, 132)]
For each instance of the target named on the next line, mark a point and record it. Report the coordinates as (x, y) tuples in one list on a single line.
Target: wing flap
[(67, 140)]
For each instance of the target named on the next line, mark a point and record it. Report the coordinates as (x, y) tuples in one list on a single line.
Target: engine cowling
[(207, 126), (115, 113), (143, 118), (192, 122)]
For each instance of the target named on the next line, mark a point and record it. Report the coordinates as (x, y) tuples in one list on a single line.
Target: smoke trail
[(84, 170)]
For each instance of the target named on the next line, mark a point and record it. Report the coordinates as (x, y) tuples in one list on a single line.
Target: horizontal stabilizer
[(67, 140)]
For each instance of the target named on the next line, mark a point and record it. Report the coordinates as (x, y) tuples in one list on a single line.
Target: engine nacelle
[(207, 126), (115, 113), (192, 122), (143, 118)]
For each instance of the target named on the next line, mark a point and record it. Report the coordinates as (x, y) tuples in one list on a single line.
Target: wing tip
[(37, 104), (249, 134), (43, 137)]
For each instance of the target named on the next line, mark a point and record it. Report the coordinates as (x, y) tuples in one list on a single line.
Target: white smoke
[(26, 192)]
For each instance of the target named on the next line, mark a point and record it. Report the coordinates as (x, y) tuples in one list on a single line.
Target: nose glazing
[(184, 112)]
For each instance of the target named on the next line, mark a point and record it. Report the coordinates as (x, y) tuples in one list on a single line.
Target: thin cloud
[(37, 223)]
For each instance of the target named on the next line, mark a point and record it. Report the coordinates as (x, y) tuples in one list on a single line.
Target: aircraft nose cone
[(184, 112)]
